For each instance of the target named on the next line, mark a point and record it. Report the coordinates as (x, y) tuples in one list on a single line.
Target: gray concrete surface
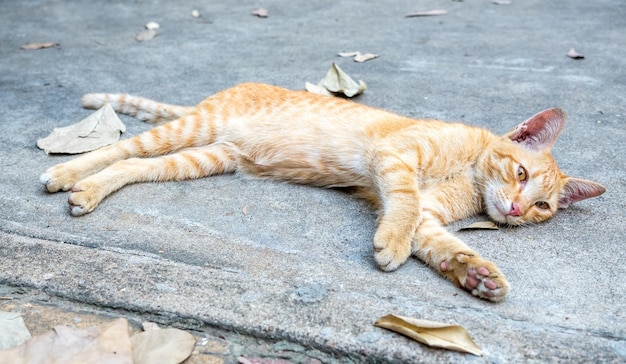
[(297, 265)]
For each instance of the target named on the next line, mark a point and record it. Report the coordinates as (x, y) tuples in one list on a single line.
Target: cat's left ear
[(577, 189), (541, 131)]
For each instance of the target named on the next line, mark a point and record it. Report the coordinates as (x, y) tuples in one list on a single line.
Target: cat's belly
[(298, 161), (306, 170)]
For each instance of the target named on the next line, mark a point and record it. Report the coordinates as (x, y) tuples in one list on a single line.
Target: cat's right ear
[(541, 131)]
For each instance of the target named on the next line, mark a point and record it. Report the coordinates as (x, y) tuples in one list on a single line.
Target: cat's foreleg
[(187, 164), (451, 258), (396, 182)]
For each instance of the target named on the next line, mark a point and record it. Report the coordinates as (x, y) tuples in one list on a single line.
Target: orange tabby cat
[(420, 174)]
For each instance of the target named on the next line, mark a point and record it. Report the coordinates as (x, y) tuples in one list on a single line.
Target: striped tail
[(139, 107)]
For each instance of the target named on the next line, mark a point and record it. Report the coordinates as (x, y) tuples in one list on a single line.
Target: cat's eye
[(542, 205), (522, 175)]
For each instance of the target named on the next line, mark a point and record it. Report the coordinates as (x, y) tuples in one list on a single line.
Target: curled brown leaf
[(431, 333)]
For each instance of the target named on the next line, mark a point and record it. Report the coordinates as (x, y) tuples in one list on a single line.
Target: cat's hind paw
[(477, 276), (59, 178), (54, 184), (83, 199)]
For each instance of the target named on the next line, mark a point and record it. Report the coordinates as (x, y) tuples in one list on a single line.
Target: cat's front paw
[(390, 251), (478, 276), (59, 178), (84, 198)]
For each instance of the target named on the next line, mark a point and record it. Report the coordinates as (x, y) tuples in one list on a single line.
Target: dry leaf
[(106, 345), (358, 56), (427, 13), (260, 12), (365, 57), (434, 334), (162, 346), (481, 225), (501, 2), (40, 45), (337, 81), (152, 25), (101, 128), (244, 210), (574, 55), (13, 332), (348, 54), (145, 35), (315, 89)]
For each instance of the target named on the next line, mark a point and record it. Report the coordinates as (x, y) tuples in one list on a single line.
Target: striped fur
[(419, 174)]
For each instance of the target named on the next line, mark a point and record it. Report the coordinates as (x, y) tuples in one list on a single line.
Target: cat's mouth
[(500, 212)]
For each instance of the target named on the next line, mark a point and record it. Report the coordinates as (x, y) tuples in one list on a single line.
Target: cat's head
[(520, 180)]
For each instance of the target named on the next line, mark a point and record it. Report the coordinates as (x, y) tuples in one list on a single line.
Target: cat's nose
[(515, 210)]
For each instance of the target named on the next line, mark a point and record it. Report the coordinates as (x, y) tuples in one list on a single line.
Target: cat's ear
[(540, 131), (577, 189)]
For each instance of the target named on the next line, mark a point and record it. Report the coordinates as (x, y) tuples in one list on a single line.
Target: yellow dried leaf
[(337, 81), (109, 344), (431, 333), (364, 57), (260, 12), (315, 89), (145, 35), (39, 45), (574, 55), (434, 12), (152, 25), (162, 346), (101, 128), (358, 56), (348, 54), (481, 225)]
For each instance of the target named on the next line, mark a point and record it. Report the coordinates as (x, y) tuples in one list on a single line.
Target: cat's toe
[(485, 283), (82, 200), (478, 276), (480, 283)]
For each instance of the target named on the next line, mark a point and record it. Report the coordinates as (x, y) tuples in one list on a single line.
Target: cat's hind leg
[(451, 258), (189, 131), (188, 163)]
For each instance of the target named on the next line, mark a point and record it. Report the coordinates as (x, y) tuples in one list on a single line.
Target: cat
[(419, 174)]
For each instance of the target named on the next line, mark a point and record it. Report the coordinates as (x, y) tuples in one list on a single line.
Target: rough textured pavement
[(295, 263)]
